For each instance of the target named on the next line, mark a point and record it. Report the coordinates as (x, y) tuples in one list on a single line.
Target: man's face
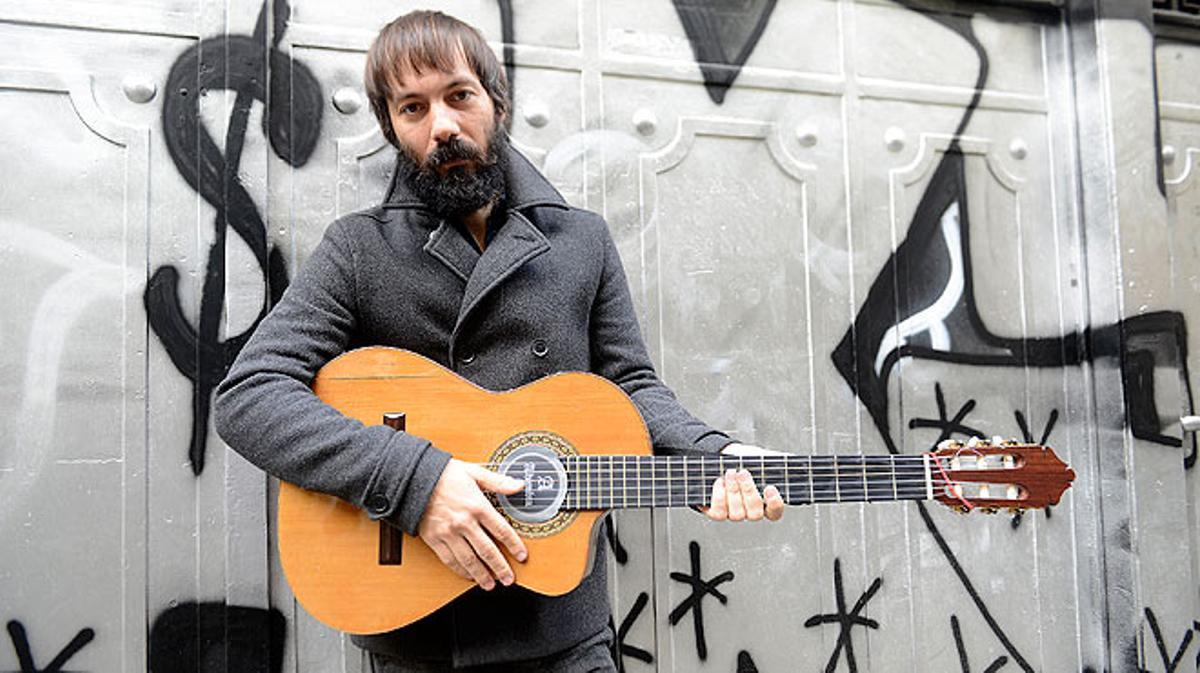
[(433, 107), (451, 144)]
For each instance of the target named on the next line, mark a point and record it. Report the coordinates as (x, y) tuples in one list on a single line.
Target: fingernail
[(521, 556)]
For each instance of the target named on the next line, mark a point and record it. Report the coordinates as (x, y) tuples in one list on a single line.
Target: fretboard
[(615, 482)]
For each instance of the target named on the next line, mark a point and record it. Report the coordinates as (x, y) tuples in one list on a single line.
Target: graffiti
[(695, 601), (947, 426), (846, 620), (745, 663), (621, 649), (996, 665), (614, 540), (1170, 663), (722, 36), (215, 637), (20, 642), (922, 305), (292, 122)]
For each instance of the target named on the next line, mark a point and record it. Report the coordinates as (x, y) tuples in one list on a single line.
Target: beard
[(463, 189)]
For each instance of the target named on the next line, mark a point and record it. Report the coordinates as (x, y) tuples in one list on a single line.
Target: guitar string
[(847, 492)]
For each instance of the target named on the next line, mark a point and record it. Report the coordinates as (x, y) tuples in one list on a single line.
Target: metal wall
[(850, 226)]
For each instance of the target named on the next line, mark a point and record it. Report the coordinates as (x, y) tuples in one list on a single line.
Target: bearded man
[(476, 262)]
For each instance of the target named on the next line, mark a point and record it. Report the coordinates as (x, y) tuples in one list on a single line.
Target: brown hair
[(424, 40)]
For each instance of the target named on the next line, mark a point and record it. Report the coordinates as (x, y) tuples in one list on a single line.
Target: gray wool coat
[(548, 294)]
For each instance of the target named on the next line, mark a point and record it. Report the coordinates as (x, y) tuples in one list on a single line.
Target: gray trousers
[(590, 656)]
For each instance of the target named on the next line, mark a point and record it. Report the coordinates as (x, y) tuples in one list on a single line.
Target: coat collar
[(517, 242), (525, 184)]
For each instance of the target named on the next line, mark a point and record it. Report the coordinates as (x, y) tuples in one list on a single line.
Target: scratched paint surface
[(849, 226)]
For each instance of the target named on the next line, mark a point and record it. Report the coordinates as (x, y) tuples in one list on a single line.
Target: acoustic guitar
[(581, 448)]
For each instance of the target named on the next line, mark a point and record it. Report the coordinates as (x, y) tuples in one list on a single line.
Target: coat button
[(540, 348), (467, 359), (377, 503)]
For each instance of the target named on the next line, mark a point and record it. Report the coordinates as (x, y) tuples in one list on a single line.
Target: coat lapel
[(450, 248), (517, 242)]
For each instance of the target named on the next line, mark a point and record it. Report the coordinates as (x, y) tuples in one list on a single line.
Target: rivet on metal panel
[(139, 88), (806, 134), (346, 100), (1019, 149), (644, 121), (1168, 154), (894, 138), (536, 114)]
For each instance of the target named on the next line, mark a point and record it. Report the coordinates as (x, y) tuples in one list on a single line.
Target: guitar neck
[(618, 481)]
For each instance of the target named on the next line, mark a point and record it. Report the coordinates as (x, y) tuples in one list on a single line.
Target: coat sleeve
[(265, 410), (618, 353)]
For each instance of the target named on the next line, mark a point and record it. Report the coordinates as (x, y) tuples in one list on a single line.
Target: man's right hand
[(462, 527)]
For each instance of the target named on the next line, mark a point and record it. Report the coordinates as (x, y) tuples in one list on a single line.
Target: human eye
[(410, 109), (461, 95)]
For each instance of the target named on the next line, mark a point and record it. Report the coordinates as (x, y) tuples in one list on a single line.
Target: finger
[(447, 558), (750, 496), (733, 498), (503, 532), (774, 503), (471, 563), (487, 551), (718, 510), (494, 481)]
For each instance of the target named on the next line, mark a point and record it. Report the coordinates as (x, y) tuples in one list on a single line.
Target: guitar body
[(331, 550)]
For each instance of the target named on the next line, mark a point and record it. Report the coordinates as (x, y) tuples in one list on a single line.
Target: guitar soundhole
[(545, 484)]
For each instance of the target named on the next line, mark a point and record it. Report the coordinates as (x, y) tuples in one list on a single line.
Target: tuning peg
[(989, 509), (1009, 442)]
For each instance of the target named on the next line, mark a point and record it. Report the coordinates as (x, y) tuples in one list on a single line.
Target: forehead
[(415, 76)]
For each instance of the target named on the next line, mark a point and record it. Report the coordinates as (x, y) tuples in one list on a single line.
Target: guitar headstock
[(995, 474)]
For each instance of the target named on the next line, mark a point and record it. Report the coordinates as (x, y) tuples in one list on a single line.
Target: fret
[(866, 489), (812, 493), (686, 489), (670, 490), (837, 480), (895, 493), (638, 476)]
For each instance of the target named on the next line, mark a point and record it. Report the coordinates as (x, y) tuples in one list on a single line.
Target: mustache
[(455, 149)]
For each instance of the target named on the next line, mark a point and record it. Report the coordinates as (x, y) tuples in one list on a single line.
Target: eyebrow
[(461, 81)]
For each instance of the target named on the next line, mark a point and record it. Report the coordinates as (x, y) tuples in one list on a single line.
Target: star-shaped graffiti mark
[(845, 620), (996, 665), (25, 656), (946, 424), (1170, 664), (1027, 437), (694, 602), (621, 649)]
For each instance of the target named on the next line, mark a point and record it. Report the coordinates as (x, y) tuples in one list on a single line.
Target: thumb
[(494, 481)]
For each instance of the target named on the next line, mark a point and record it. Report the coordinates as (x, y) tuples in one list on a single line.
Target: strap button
[(540, 348)]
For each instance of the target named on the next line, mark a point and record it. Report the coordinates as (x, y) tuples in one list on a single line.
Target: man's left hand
[(735, 497)]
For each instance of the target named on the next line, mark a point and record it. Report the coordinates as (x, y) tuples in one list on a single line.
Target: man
[(476, 262)]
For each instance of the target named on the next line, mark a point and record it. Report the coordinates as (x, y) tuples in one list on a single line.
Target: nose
[(445, 123)]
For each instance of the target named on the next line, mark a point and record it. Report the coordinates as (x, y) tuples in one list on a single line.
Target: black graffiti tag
[(695, 601), (845, 619), (292, 97), (25, 655)]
